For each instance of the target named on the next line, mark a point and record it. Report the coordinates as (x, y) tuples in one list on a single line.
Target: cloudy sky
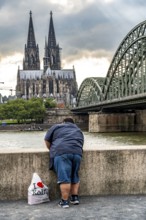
[(88, 31)]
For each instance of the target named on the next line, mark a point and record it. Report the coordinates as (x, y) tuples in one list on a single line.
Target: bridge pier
[(117, 122), (140, 120), (111, 122)]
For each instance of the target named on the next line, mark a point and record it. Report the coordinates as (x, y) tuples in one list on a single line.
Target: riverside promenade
[(132, 207)]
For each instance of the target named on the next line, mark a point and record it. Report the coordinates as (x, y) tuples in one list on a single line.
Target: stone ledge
[(103, 172), (86, 148)]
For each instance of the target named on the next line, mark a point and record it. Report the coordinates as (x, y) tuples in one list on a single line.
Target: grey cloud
[(86, 53), (98, 27), (132, 2)]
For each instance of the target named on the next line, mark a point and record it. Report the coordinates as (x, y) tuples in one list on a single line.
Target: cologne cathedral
[(52, 80)]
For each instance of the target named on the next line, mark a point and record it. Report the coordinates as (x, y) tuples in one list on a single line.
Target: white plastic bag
[(37, 191)]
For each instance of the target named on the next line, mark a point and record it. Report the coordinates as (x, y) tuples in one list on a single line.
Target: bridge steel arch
[(127, 73), (126, 76), (90, 91)]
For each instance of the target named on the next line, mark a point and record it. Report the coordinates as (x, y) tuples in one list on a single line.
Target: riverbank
[(35, 127)]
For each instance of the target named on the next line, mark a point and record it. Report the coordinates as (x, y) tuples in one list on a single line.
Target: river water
[(35, 140)]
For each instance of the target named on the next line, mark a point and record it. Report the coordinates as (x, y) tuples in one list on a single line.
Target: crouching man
[(65, 143)]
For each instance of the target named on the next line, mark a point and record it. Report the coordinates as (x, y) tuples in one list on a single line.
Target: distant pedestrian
[(65, 142)]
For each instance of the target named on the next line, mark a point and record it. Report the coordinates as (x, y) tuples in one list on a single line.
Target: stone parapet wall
[(103, 172)]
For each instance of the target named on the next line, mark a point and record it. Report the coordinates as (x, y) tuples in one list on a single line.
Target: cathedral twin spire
[(31, 43), (52, 51), (51, 34), (31, 58)]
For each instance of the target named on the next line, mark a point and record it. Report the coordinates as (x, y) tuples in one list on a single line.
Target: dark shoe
[(74, 199), (63, 203)]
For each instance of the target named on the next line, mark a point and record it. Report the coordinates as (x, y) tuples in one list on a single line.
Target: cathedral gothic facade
[(52, 80)]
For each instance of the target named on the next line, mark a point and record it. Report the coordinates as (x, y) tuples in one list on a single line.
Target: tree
[(36, 109), (2, 112), (23, 110), (50, 103)]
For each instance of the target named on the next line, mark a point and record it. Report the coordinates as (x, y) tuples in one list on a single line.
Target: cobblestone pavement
[(91, 208)]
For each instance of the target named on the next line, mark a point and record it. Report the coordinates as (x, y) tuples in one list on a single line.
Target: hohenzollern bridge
[(124, 87)]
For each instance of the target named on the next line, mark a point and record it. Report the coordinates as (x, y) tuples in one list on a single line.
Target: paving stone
[(91, 208)]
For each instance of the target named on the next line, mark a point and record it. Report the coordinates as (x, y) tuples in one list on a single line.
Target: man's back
[(65, 138)]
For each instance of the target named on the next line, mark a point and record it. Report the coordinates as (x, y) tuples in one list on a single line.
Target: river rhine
[(35, 140)]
